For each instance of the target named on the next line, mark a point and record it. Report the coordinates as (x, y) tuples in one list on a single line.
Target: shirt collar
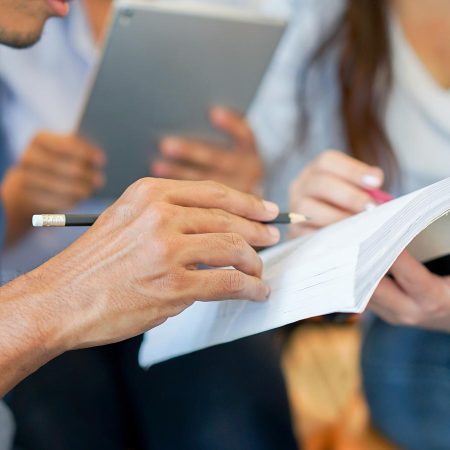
[(80, 34)]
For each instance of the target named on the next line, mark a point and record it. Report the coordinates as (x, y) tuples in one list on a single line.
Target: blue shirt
[(45, 87), (3, 166)]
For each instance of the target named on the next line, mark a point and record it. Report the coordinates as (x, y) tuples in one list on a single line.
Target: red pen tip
[(380, 196)]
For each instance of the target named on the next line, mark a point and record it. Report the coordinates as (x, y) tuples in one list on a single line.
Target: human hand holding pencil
[(137, 265), (334, 187), (87, 220)]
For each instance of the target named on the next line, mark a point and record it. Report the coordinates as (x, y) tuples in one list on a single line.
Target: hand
[(239, 167), (413, 297), (137, 265), (54, 173), (332, 188)]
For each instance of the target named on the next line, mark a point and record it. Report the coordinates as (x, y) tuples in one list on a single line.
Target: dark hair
[(364, 70)]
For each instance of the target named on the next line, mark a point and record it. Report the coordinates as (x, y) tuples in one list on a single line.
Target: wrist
[(37, 318)]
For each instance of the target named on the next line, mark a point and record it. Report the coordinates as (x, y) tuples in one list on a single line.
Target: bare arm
[(29, 319), (135, 268)]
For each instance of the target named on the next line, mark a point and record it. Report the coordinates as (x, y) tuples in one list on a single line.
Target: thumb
[(236, 126)]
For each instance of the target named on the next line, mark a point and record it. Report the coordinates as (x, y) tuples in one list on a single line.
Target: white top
[(417, 117), (42, 88), (276, 115)]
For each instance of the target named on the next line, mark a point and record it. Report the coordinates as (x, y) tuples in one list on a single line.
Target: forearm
[(29, 329)]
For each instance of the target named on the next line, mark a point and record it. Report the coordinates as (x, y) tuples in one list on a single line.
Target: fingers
[(69, 190), (199, 221), (414, 297), (175, 171), (393, 305), (48, 202), (338, 192), (222, 284), (415, 279), (65, 168), (244, 181), (239, 166), (320, 213), (198, 153), (234, 125), (333, 187), (71, 147), (214, 195), (221, 250), (349, 169), (204, 194), (211, 157)]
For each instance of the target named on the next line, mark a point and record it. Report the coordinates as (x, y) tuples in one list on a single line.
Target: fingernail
[(370, 206), (218, 114), (268, 292), (271, 207), (371, 181), (171, 145), (274, 232)]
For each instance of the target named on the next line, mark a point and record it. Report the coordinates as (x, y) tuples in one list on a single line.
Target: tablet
[(164, 65)]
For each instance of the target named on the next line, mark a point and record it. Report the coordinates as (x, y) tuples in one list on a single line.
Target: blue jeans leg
[(406, 374)]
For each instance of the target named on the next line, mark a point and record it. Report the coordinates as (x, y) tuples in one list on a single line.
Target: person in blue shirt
[(81, 297), (109, 393)]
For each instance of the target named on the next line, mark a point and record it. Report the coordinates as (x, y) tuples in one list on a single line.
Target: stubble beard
[(18, 40)]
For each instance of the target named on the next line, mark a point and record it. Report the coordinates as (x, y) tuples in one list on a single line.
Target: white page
[(296, 294), (433, 242), (309, 277)]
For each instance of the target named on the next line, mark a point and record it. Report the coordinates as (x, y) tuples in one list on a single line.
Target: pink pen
[(379, 196)]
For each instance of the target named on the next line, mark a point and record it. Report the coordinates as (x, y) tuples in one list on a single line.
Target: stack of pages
[(335, 270)]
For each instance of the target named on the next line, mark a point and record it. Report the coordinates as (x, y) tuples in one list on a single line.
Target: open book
[(334, 270)]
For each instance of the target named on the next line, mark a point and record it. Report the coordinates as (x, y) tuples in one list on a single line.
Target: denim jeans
[(406, 374), (6, 427)]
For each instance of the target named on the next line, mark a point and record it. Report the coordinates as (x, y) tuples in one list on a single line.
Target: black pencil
[(64, 220), (86, 220)]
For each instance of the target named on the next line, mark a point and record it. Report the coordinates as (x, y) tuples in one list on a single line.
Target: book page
[(309, 276), (433, 242)]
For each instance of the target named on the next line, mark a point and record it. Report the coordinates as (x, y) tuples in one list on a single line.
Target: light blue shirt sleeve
[(2, 227), (276, 112), (3, 166)]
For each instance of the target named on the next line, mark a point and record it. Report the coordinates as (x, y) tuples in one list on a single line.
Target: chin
[(18, 39)]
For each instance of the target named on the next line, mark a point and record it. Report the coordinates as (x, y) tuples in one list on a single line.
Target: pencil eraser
[(38, 221)]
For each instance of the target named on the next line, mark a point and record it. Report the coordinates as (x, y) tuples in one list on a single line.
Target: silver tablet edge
[(216, 11)]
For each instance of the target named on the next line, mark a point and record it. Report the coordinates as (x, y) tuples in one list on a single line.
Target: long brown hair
[(361, 38)]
